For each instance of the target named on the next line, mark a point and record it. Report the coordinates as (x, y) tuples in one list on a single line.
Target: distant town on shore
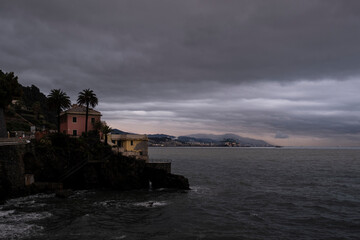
[(200, 140)]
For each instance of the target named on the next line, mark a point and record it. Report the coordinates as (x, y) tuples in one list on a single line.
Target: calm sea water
[(237, 193)]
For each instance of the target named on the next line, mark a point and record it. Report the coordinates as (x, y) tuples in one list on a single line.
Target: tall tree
[(106, 129), (87, 98), (58, 100), (9, 88)]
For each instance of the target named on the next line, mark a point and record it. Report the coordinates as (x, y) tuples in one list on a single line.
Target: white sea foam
[(201, 190), (81, 193), (105, 203), (120, 237), (28, 217), (18, 231), (151, 204), (15, 225), (27, 201), (6, 213)]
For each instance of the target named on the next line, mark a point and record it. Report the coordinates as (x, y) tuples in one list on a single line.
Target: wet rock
[(65, 193), (162, 179)]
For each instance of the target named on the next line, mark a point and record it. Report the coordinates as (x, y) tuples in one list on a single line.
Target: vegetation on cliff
[(9, 88), (57, 153), (33, 107), (86, 162), (30, 109)]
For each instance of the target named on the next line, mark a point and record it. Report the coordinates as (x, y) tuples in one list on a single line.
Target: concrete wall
[(12, 167), (3, 132)]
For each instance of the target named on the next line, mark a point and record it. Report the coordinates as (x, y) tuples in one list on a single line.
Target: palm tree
[(97, 126), (103, 128), (87, 98), (58, 100), (106, 129)]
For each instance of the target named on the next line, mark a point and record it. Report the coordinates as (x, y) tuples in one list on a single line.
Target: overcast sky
[(287, 72)]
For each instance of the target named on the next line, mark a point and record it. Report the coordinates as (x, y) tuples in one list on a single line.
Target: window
[(132, 142), (74, 119), (74, 132), (92, 120)]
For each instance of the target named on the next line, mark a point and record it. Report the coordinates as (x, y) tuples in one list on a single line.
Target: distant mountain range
[(117, 131), (228, 139), (160, 136)]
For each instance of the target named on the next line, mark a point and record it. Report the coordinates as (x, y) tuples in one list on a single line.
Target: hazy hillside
[(230, 137), (210, 140)]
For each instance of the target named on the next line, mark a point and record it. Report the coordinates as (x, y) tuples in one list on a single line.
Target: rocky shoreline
[(97, 167)]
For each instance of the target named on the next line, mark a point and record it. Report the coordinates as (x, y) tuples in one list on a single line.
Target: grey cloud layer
[(324, 109), (228, 59)]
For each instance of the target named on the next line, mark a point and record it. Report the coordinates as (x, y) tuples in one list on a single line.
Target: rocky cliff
[(79, 164), (122, 173)]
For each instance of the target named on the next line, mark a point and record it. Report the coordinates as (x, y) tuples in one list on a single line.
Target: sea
[(236, 193)]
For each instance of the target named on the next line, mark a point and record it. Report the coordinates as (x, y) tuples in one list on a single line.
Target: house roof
[(80, 110)]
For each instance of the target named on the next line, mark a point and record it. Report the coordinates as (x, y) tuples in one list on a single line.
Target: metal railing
[(14, 141)]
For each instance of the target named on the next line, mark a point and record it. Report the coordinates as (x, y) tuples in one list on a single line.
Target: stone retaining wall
[(11, 169)]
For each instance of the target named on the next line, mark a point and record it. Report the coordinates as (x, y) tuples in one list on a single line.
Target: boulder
[(64, 193), (161, 179)]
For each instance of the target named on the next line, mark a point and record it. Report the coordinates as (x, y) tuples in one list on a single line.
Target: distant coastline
[(272, 147), (200, 146), (205, 140)]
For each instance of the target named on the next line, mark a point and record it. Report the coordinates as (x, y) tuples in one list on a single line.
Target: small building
[(72, 121), (130, 145)]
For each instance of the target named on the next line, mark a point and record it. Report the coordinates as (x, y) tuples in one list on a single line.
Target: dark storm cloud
[(156, 56), (147, 42)]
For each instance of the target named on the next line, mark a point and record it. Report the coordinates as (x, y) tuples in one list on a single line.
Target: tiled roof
[(76, 109)]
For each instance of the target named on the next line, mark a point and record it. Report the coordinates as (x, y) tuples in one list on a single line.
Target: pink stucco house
[(72, 121)]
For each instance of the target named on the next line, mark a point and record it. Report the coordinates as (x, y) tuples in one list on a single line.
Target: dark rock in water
[(162, 179), (65, 193), (123, 173), (118, 173)]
